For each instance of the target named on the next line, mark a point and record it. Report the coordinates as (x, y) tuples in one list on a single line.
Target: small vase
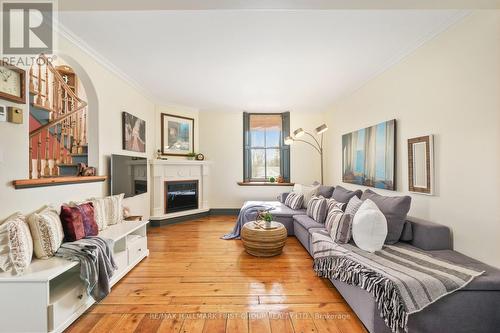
[(268, 224)]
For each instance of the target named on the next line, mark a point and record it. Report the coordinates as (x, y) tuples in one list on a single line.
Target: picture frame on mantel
[(177, 135), (421, 165)]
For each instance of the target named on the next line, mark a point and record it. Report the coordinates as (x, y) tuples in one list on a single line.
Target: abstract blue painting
[(368, 156)]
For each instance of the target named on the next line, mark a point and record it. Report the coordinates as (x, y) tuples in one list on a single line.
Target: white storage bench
[(49, 296)]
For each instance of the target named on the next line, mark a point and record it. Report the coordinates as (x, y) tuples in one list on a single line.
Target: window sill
[(264, 184), (54, 181)]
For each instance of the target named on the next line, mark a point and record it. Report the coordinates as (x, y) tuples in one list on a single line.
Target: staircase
[(58, 123)]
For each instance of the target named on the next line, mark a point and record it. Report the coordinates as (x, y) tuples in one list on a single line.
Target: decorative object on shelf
[(12, 83), (191, 156), (133, 218), (14, 115), (421, 164), (86, 171), (159, 155), (280, 179), (134, 133), (317, 145), (272, 179), (177, 135), (369, 155), (200, 157), (126, 212)]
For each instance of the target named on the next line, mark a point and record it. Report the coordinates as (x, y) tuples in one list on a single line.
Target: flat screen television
[(129, 175)]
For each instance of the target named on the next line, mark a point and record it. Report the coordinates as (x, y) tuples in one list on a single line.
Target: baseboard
[(179, 219)]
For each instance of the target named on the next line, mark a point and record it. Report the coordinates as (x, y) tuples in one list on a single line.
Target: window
[(265, 153)]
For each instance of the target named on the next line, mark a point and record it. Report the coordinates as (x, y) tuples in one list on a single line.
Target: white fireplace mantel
[(175, 170)]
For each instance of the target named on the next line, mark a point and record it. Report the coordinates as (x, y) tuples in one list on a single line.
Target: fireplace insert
[(181, 195)]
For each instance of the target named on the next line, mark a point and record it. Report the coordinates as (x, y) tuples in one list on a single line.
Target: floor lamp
[(317, 145)]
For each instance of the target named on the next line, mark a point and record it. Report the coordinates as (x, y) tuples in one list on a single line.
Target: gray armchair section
[(430, 236)]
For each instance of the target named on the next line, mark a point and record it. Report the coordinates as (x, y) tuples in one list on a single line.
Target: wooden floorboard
[(193, 281)]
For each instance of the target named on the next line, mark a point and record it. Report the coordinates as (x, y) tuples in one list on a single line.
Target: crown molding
[(103, 61)]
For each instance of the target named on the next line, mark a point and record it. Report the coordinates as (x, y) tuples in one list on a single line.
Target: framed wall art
[(134, 133), (177, 135)]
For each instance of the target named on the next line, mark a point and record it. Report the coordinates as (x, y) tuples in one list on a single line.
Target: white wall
[(450, 88), (221, 141), (112, 96)]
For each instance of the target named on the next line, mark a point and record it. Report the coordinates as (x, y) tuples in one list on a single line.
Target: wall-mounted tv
[(129, 175)]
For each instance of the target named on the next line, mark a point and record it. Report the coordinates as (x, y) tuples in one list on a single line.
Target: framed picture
[(369, 156), (421, 164), (12, 83), (134, 133), (177, 135)]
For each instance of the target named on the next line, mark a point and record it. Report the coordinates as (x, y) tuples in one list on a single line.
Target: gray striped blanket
[(402, 279)]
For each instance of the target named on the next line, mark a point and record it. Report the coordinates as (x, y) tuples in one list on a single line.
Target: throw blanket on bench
[(96, 263), (402, 279), (247, 213)]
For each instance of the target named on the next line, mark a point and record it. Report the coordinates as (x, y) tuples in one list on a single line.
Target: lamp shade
[(321, 129), (298, 132), (288, 140)]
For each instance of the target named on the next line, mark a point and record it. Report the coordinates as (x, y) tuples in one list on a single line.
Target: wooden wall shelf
[(55, 181)]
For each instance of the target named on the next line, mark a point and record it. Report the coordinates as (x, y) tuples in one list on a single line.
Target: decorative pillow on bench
[(47, 232), (294, 200), (16, 244)]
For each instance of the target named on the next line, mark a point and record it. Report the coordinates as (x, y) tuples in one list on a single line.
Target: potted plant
[(272, 179), (266, 217), (191, 156)]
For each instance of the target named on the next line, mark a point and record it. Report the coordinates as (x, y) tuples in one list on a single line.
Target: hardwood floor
[(195, 282)]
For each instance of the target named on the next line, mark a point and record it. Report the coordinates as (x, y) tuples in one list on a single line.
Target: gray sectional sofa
[(475, 308)]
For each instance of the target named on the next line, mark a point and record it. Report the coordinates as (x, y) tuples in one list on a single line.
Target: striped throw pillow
[(316, 209), (332, 203), (353, 205), (294, 200), (339, 225)]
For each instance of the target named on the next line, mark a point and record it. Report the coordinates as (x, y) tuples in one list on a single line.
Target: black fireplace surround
[(181, 195)]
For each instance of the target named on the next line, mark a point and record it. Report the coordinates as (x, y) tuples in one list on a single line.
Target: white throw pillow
[(16, 244), (113, 207), (308, 191), (46, 231), (369, 227)]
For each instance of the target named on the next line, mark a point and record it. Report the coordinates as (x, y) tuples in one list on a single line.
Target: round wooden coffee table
[(261, 242)]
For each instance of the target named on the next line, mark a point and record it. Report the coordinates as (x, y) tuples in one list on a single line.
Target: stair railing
[(65, 133)]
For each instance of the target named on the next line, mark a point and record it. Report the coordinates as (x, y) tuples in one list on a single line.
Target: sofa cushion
[(394, 209), (306, 222), (339, 225), (294, 200), (46, 231), (325, 191), (369, 227), (334, 204), (353, 205), (282, 196), (344, 195), (316, 209), (407, 234), (307, 190)]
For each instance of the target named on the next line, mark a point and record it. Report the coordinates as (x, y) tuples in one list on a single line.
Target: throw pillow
[(113, 207), (46, 231), (332, 203), (89, 224), (339, 225), (316, 209), (353, 205), (72, 223), (394, 209), (369, 227), (308, 191), (99, 213), (294, 200), (343, 195), (16, 244)]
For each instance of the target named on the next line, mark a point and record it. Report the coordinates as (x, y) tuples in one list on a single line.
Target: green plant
[(272, 179), (191, 155), (265, 216)]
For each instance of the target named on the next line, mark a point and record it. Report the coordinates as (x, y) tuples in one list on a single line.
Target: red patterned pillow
[(72, 223), (88, 219)]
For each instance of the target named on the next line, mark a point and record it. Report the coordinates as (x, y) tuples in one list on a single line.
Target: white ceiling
[(253, 59)]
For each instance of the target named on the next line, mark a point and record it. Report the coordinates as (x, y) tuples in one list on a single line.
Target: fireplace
[(181, 195)]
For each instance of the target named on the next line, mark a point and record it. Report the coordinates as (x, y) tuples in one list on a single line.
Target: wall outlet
[(3, 113)]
